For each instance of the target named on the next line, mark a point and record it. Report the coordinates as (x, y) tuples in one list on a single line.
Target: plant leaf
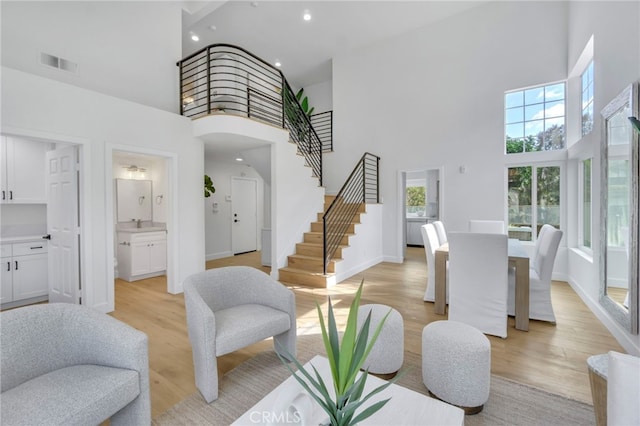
[(311, 111), (299, 94), (367, 412), (305, 104), (348, 343), (361, 345)]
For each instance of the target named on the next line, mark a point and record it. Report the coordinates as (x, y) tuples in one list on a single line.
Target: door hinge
[(79, 300)]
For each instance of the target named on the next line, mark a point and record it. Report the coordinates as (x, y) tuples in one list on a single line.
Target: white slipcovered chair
[(487, 226), (623, 390), (431, 243), (442, 234), (231, 308), (540, 271), (478, 283)]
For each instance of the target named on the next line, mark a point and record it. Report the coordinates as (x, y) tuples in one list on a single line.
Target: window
[(416, 196), (533, 199), (587, 99), (584, 235), (534, 119)]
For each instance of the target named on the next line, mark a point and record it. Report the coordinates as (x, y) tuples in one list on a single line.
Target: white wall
[(320, 96), (34, 105), (435, 96), (616, 38), (365, 247), (218, 219), (123, 49)]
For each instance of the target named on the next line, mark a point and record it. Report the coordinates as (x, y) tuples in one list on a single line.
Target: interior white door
[(63, 225), (244, 208)]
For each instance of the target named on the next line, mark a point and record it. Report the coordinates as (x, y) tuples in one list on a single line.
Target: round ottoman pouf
[(387, 354), (456, 364)]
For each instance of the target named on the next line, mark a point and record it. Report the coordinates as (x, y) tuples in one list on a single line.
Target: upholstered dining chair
[(623, 389), (233, 307), (431, 243), (478, 283), (442, 234), (487, 226), (540, 271)]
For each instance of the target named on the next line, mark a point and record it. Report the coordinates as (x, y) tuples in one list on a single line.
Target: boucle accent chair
[(387, 354), (64, 364), (456, 364), (231, 308)]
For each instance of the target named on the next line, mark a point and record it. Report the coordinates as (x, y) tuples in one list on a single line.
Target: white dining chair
[(623, 389), (442, 234), (431, 243), (487, 226), (540, 271), (478, 283)]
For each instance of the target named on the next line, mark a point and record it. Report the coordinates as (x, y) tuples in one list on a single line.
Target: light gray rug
[(510, 403)]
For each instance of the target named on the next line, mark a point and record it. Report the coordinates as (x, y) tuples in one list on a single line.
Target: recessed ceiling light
[(195, 37), (307, 15), (239, 158), (278, 64)]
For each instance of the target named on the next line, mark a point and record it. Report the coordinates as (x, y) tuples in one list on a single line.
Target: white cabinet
[(22, 170), (24, 273), (141, 254)]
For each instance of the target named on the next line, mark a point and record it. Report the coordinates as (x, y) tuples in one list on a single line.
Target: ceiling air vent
[(60, 63)]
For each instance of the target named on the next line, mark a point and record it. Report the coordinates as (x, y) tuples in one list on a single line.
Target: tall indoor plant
[(345, 360)]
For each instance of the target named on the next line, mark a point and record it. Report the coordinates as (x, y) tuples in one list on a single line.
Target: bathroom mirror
[(619, 207), (133, 198)]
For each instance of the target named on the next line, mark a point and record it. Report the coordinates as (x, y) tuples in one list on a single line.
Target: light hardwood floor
[(551, 357)]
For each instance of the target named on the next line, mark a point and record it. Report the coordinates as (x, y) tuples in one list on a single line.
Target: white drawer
[(148, 236), (36, 247), (5, 250)]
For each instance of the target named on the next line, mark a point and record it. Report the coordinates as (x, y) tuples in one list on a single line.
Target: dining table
[(518, 259)]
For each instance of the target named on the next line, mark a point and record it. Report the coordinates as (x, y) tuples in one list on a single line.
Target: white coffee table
[(406, 407)]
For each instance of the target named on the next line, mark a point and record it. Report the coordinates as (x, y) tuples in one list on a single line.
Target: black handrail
[(362, 186), (323, 123), (223, 78)]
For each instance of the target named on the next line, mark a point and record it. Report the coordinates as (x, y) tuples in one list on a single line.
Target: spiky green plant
[(345, 361)]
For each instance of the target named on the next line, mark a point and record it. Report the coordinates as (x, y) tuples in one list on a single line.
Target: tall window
[(533, 199), (584, 236), (416, 196), (534, 119), (587, 99)]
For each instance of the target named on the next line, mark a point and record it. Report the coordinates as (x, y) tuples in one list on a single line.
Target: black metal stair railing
[(323, 123), (361, 187), (226, 79)]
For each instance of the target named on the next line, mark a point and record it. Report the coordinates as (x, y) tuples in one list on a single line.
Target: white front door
[(244, 212), (63, 225)]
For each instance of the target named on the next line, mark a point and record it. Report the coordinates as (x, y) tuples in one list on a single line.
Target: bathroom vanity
[(142, 253)]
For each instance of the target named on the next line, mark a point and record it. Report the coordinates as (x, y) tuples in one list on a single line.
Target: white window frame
[(523, 89), (534, 194), (581, 187), (591, 83)]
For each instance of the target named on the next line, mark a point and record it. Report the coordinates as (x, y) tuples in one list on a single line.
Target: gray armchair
[(231, 308), (64, 364)]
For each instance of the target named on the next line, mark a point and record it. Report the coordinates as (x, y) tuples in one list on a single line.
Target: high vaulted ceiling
[(276, 31)]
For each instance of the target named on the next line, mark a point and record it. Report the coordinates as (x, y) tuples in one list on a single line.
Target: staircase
[(306, 265)]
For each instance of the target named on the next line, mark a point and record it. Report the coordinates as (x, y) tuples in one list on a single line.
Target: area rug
[(510, 403)]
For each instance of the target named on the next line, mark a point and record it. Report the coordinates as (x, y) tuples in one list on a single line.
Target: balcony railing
[(226, 79)]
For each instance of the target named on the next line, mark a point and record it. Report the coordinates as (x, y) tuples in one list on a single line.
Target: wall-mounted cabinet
[(24, 273), (141, 254), (22, 171)]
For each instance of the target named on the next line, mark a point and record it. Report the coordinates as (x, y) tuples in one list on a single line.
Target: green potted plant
[(208, 186), (345, 360)]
